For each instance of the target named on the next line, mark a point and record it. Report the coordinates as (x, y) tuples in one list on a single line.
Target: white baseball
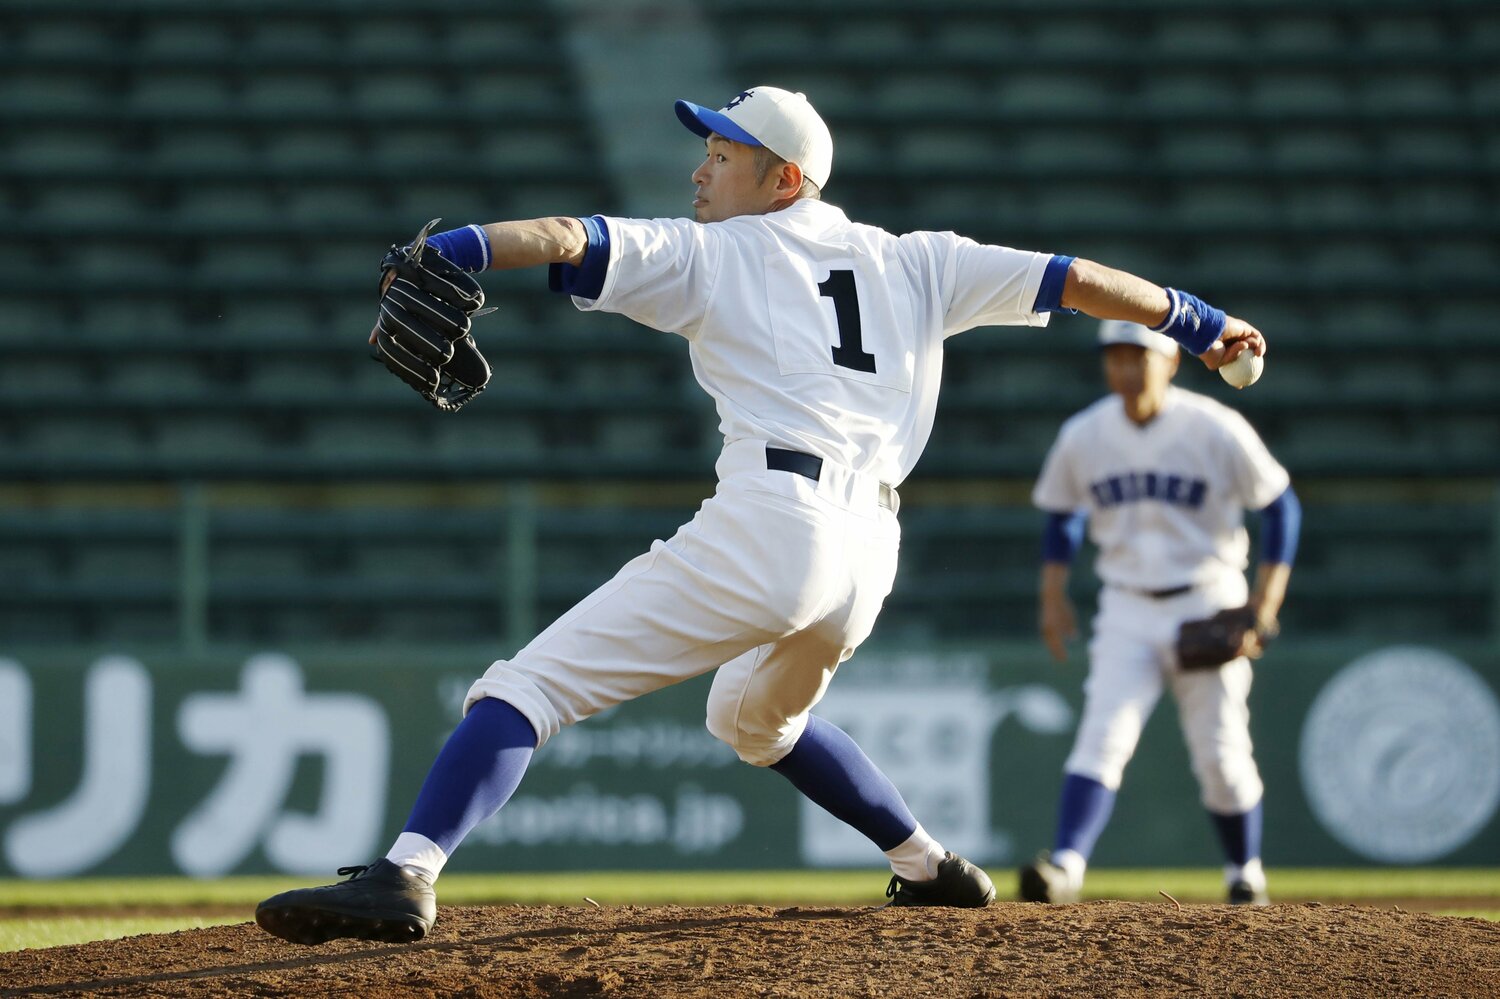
[(1243, 370)]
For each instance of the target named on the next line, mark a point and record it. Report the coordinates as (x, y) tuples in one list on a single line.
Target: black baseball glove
[(1210, 642), (422, 332)]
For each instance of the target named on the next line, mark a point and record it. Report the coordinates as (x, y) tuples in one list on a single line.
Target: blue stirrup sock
[(1240, 834), (476, 772), (1083, 811), (834, 773)]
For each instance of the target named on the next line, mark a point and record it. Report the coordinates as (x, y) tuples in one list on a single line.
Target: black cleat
[(378, 902), (1241, 893), (1044, 881), (958, 883)]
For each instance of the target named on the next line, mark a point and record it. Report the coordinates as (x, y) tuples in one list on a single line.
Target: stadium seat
[(66, 149), (1410, 91), (142, 376), (231, 440), (293, 93), (315, 204), (1311, 32), (1300, 93), (285, 377), (188, 38), (400, 93), (62, 36), (1400, 34), (516, 35), (233, 261), (67, 203), (41, 90), (1196, 34), (1176, 92), (390, 37), (293, 35), (274, 319), (364, 436), (301, 146), (203, 148), (124, 563), (262, 560), (1320, 149), (179, 91), (209, 205)]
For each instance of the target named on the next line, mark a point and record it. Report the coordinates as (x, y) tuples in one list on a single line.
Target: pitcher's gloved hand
[(422, 332)]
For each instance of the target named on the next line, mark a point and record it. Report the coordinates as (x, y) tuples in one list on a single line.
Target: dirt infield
[(664, 952)]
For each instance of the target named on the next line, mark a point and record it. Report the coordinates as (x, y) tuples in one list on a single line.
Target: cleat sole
[(301, 924)]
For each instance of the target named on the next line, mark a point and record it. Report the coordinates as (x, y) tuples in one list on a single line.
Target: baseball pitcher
[(821, 343), (1163, 477)]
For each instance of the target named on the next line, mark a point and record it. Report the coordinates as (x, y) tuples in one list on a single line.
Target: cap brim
[(703, 122)]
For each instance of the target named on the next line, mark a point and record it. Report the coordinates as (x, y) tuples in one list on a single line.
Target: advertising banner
[(127, 764)]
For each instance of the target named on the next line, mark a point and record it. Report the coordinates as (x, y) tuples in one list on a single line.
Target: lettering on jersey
[(850, 351), (1134, 487), (742, 98)]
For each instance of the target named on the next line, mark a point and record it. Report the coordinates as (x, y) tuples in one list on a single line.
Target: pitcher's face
[(726, 183)]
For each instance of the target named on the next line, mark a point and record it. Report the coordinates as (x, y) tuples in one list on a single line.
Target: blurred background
[(215, 511)]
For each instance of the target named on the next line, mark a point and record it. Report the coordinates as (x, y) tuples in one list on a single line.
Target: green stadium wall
[(131, 763)]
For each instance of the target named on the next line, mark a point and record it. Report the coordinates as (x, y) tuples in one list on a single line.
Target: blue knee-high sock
[(834, 773), (477, 771), (1240, 834), (1082, 813)]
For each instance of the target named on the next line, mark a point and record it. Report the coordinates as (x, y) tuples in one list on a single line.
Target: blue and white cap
[(777, 119), (1119, 331)]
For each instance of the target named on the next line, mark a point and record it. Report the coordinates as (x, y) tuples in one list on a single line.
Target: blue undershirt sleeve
[(587, 279), (1049, 292), (1280, 526), (1062, 536)]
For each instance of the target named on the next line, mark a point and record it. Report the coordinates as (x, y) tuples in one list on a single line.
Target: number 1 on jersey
[(849, 352)]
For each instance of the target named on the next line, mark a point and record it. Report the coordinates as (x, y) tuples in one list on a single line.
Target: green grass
[(1298, 883), (231, 900), (19, 934)]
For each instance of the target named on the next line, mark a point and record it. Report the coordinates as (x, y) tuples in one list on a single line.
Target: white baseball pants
[(1132, 657), (777, 579)]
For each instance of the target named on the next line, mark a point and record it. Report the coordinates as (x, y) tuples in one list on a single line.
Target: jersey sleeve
[(1057, 488), (984, 285), (1258, 478), (660, 273)]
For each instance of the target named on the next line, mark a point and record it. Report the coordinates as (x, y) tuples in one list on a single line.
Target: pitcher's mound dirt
[(1011, 949)]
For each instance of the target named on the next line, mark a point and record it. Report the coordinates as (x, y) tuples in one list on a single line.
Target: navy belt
[(810, 466), (1175, 591)]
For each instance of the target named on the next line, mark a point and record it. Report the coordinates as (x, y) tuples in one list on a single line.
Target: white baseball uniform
[(1165, 504), (813, 334)]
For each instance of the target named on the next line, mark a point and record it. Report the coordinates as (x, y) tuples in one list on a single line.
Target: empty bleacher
[(200, 193)]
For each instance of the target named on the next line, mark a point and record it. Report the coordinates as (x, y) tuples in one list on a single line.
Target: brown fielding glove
[(423, 328), (1208, 643)]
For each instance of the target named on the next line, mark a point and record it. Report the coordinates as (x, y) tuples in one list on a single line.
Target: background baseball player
[(820, 341), (1163, 477)]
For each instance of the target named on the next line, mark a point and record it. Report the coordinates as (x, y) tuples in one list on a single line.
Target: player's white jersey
[(1165, 501), (812, 332)]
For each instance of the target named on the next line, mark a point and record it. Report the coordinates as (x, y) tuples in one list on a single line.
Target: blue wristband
[(467, 248), (1191, 321)]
